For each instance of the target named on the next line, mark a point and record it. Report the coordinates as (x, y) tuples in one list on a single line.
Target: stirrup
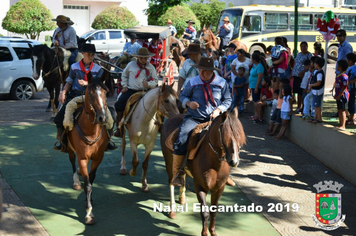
[(63, 148), (111, 146)]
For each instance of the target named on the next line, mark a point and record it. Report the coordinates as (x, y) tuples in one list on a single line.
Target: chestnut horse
[(89, 138), (211, 166), (211, 41), (177, 48), (144, 126)]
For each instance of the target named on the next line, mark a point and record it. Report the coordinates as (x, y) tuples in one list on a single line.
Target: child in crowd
[(216, 59), (308, 106), (318, 51), (266, 100), (276, 116), (305, 81), (341, 93), (286, 109), (318, 88), (238, 90), (351, 72)]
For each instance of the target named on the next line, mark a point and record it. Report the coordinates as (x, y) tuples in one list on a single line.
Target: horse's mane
[(95, 82)]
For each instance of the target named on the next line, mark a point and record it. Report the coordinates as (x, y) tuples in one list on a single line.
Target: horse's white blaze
[(236, 151), (34, 74), (172, 98), (101, 102)]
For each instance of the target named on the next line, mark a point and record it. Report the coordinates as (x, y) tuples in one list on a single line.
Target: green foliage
[(28, 17), (208, 13), (230, 4), (179, 15), (156, 8), (114, 17)]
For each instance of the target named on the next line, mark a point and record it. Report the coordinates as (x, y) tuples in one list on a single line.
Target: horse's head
[(95, 97), (37, 58), (167, 101), (229, 134)]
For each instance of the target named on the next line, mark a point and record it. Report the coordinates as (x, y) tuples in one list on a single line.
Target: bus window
[(235, 19), (347, 22), (305, 21), (276, 21)]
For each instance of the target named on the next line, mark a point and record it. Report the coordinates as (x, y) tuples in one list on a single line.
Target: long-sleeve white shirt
[(129, 73)]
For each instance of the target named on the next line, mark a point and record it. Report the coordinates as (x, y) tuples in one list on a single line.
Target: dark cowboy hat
[(63, 19), (190, 21), (206, 63), (143, 52), (193, 48), (231, 45), (133, 36), (90, 48)]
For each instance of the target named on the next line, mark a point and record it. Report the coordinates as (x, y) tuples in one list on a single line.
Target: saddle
[(130, 107), (66, 55), (194, 141)]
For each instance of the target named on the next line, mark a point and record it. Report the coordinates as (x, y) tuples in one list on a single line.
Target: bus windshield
[(235, 19)]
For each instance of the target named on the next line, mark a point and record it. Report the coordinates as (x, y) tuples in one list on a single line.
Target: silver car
[(111, 41)]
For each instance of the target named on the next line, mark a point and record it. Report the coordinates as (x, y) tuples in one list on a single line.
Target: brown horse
[(211, 166), (208, 39), (177, 48), (89, 138), (144, 126)]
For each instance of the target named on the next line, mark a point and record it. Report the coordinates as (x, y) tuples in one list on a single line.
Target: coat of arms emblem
[(328, 214)]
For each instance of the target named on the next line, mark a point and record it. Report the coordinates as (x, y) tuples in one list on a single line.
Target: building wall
[(312, 3), (5, 6)]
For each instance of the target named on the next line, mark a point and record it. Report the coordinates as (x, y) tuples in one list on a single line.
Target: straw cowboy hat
[(226, 19), (90, 48), (190, 21), (206, 63), (63, 19), (143, 52), (193, 48), (169, 22)]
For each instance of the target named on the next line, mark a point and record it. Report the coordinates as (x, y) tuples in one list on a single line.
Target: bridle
[(166, 114), (221, 156), (54, 69)]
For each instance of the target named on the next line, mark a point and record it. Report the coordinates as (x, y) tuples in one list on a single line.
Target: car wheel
[(23, 90)]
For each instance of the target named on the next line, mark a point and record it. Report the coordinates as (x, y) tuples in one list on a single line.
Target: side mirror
[(90, 39)]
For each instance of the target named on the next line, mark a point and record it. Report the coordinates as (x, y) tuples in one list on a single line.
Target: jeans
[(309, 109), (73, 56), (238, 100)]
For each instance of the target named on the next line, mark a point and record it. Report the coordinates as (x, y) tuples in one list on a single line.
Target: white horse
[(145, 123)]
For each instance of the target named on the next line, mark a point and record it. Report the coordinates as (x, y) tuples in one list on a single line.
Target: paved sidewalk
[(272, 172)]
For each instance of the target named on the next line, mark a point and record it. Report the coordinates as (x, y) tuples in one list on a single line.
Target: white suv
[(111, 41), (16, 69)]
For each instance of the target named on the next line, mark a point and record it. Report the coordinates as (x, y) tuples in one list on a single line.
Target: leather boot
[(111, 146), (58, 145), (119, 131), (177, 163)]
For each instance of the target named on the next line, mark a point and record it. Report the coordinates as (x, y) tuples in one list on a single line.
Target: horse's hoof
[(132, 173), (172, 215), (182, 200), (123, 172), (89, 220), (145, 189), (77, 187)]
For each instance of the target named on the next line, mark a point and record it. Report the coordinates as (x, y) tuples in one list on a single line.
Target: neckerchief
[(64, 41), (143, 67), (82, 67), (206, 85)]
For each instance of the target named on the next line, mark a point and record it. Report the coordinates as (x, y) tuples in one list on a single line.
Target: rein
[(159, 114), (223, 153)]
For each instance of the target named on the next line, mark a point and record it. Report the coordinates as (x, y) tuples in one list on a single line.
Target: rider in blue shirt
[(190, 33), (205, 97), (130, 48)]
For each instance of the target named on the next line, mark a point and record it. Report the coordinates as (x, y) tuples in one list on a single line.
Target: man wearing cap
[(130, 48), (172, 28), (188, 71), (190, 33), (225, 32), (137, 76), (66, 37), (205, 96), (75, 86)]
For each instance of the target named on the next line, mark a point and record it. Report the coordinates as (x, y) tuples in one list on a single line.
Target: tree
[(28, 17), (179, 15), (114, 17), (208, 13), (156, 8)]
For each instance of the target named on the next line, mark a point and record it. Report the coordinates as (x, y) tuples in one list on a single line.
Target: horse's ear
[(235, 112), (90, 77), (223, 116), (163, 87), (172, 84)]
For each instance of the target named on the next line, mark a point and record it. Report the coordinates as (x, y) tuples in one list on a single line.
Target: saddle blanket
[(73, 105)]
